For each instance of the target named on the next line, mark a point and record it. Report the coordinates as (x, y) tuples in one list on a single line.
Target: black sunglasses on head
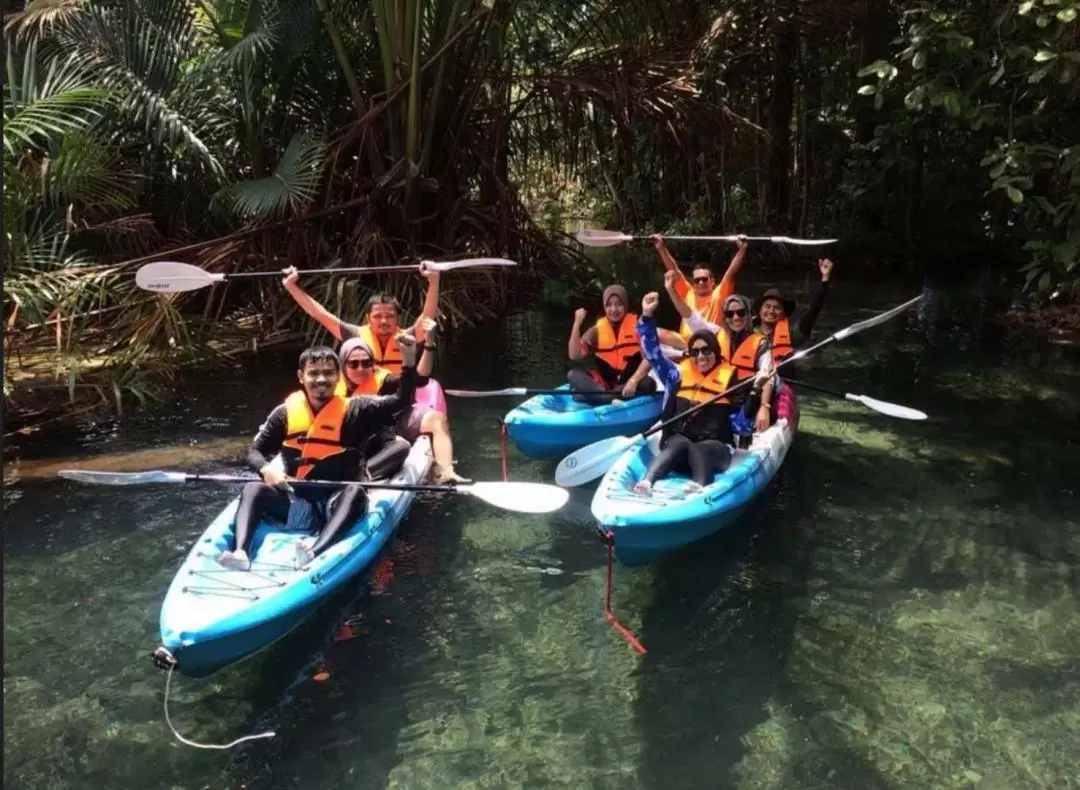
[(360, 363), (735, 313)]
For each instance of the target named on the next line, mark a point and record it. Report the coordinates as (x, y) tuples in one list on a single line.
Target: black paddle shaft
[(814, 387), (741, 385), (349, 270)]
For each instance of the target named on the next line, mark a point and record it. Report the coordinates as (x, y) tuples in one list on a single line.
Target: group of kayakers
[(356, 415), (723, 339)]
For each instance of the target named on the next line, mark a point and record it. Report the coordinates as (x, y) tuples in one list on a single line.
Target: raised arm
[(574, 349), (671, 285), (682, 285), (650, 343), (727, 283), (431, 298), (817, 301), (330, 322)]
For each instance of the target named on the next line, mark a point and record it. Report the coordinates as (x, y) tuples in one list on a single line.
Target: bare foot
[(643, 487), (303, 554), (451, 478), (692, 487), (234, 560)]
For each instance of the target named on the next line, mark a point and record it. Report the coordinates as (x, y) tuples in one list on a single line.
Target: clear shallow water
[(900, 610)]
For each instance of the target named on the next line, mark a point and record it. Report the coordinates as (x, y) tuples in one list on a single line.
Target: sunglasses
[(735, 313), (699, 351), (701, 280), (360, 363)]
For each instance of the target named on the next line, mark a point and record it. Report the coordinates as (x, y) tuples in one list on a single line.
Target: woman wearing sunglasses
[(361, 375), (701, 444), (747, 351)]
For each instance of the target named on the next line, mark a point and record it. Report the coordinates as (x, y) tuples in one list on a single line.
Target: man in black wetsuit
[(321, 436)]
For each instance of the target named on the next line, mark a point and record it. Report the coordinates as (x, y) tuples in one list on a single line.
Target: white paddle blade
[(468, 263), (121, 478), (869, 322), (601, 238), (171, 277), (519, 497), (801, 242), (884, 407), (510, 391), (592, 462)]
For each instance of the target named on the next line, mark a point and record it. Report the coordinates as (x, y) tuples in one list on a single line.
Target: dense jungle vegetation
[(241, 134)]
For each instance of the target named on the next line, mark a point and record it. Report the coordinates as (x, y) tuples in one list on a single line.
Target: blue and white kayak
[(550, 426), (645, 527), (213, 616)]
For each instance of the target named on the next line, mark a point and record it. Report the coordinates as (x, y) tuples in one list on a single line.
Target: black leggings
[(588, 390), (701, 459), (259, 501)]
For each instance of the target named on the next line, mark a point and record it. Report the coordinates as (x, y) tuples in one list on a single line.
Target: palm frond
[(87, 173), (294, 183), (41, 18), (49, 100)]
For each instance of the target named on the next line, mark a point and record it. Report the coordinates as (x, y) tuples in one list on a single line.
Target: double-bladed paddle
[(610, 238), (519, 497), (881, 406), (592, 461), (171, 277)]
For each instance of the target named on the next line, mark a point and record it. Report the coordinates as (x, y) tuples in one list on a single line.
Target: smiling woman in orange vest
[(701, 444), (700, 292), (615, 348), (320, 436), (378, 331)]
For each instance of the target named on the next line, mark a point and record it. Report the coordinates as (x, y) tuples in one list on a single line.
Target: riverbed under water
[(900, 610)]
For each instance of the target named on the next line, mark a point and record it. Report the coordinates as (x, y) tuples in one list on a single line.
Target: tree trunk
[(785, 49)]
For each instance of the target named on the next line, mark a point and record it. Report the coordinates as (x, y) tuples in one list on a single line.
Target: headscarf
[(619, 291), (350, 346)]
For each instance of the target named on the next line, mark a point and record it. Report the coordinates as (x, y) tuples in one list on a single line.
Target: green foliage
[(1001, 98)]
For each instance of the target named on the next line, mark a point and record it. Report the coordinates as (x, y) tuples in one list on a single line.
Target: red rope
[(609, 615), (503, 450)]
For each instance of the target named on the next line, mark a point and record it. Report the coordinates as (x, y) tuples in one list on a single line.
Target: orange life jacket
[(782, 347), (373, 386), (696, 387), (389, 357), (616, 351), (746, 356), (312, 438)]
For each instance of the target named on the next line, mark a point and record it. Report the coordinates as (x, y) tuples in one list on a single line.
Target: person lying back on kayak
[(745, 350), (701, 444), (378, 332), (615, 347), (321, 436), (773, 313), (701, 292)]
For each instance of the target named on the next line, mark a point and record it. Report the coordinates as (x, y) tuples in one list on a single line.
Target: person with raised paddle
[(380, 327), (615, 347), (747, 351), (702, 444), (701, 292), (325, 437)]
